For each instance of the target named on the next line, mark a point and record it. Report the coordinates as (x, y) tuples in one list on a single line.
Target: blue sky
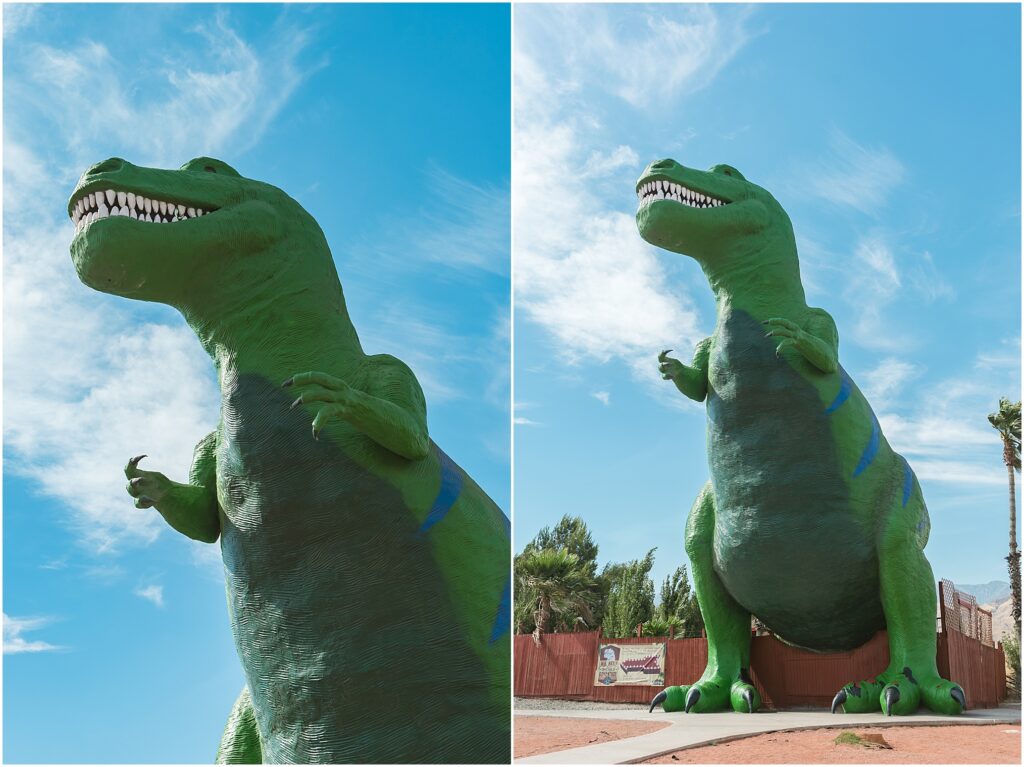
[(891, 134), (390, 125)]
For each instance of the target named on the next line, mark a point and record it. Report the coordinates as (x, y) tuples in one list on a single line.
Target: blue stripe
[(845, 386), (451, 486), (908, 481), (504, 617), (872, 449)]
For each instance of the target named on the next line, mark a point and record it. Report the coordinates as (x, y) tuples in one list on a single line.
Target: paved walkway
[(701, 729)]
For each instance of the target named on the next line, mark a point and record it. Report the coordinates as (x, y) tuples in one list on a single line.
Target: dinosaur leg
[(908, 599), (725, 681), (240, 743)]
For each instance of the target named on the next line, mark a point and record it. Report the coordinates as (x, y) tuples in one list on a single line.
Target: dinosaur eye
[(726, 172), (210, 169)]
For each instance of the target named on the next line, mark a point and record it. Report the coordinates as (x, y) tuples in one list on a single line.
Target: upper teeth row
[(98, 205), (666, 190)]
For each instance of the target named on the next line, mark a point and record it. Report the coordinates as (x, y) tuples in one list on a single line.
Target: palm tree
[(1007, 422), (554, 582)]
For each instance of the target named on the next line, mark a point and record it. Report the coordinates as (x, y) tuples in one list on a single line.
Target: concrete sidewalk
[(702, 729)]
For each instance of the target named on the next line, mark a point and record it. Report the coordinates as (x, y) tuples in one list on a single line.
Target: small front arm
[(191, 508), (691, 380)]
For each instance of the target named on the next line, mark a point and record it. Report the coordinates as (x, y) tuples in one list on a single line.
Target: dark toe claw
[(289, 382), (892, 697), (958, 695), (691, 699), (298, 401), (839, 700), (133, 462), (135, 481), (748, 696), (659, 698)]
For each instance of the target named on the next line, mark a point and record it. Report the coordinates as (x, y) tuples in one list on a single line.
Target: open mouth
[(108, 203), (667, 190)]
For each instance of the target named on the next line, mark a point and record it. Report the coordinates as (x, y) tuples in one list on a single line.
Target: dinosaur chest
[(770, 446)]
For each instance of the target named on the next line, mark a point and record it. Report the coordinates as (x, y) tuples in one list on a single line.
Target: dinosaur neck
[(270, 319), (765, 281)]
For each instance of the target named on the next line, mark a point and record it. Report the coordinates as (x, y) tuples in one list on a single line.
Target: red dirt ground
[(544, 734), (957, 744)]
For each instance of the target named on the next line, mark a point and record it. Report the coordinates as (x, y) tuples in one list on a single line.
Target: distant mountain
[(991, 593)]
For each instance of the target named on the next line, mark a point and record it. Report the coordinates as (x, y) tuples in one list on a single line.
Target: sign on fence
[(642, 664)]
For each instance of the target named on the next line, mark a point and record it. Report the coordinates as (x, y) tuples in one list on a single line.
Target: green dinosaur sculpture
[(367, 574), (810, 521)]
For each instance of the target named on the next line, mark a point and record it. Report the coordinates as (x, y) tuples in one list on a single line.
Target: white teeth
[(181, 210), (122, 198), (133, 213), (131, 199), (102, 211), (191, 212), (163, 206), (111, 196)]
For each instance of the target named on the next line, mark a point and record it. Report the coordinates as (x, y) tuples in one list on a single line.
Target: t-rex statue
[(367, 574), (810, 521)]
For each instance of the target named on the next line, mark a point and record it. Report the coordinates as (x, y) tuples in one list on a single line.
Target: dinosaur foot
[(900, 693), (713, 693)]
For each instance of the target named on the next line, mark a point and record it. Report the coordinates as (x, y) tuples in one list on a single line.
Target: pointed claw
[(133, 462), (661, 357), (691, 699), (839, 700), (892, 697), (748, 696), (298, 401), (659, 698), (288, 382), (135, 482), (958, 695)]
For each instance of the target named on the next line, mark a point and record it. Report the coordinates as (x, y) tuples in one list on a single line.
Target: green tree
[(630, 596), (679, 601), (659, 626), (1011, 648), (552, 583), (571, 533), (1007, 422)]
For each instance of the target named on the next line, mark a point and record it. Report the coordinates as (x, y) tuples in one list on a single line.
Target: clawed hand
[(321, 387), (669, 367)]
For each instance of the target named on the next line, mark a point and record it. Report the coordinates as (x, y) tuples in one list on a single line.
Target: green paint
[(366, 572), (810, 520)]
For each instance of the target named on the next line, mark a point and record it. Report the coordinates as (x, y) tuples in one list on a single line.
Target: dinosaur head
[(712, 216), (194, 236)]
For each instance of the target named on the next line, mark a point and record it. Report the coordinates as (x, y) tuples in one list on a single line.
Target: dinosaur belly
[(787, 545), (346, 633)]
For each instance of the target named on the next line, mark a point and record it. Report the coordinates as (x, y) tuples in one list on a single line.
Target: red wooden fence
[(563, 666)]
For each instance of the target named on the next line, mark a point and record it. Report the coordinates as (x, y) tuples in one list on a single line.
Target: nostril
[(107, 166), (664, 164)]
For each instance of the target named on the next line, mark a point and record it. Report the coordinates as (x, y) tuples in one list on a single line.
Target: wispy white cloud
[(853, 175), (604, 397), (18, 16), (873, 279), (653, 53), (153, 593), (581, 270), (942, 427), (87, 382), (15, 643), (467, 224), (886, 381), (220, 96)]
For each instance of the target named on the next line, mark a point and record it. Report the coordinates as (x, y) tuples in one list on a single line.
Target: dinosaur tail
[(240, 743)]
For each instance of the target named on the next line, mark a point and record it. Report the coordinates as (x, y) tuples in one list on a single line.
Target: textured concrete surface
[(703, 729)]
